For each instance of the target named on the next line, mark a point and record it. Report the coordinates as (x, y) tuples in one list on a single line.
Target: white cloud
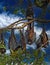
[(6, 20), (33, 46), (7, 51), (38, 31), (16, 31), (48, 32)]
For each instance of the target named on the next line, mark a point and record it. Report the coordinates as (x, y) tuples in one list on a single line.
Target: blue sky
[(7, 16), (13, 4)]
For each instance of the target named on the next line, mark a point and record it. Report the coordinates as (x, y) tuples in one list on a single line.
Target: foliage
[(4, 8), (17, 57), (39, 58), (2, 45), (16, 7), (15, 11), (41, 3)]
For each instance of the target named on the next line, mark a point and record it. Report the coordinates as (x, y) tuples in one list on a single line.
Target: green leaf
[(15, 11), (36, 53), (4, 8), (23, 11), (2, 45)]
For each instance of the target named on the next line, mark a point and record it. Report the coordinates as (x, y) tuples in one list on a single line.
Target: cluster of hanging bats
[(29, 35), (43, 38)]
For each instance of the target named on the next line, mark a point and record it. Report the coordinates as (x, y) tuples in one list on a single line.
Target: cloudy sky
[(7, 16), (7, 8)]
